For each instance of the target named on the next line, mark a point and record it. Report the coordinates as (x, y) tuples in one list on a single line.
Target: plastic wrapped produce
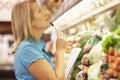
[(95, 55), (94, 71), (85, 60), (92, 42), (81, 75)]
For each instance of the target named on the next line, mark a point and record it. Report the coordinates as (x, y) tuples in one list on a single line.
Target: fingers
[(60, 34)]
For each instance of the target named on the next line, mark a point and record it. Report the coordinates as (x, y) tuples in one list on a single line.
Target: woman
[(31, 62)]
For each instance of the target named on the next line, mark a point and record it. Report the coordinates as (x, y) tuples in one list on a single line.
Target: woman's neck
[(37, 34)]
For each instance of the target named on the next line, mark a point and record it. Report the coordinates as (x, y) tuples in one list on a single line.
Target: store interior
[(93, 26)]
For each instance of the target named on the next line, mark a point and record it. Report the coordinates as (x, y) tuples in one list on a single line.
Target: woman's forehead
[(34, 6)]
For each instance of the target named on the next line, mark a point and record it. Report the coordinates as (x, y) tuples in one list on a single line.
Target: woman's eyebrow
[(37, 9), (34, 8)]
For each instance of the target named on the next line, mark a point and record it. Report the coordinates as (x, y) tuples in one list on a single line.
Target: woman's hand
[(61, 42)]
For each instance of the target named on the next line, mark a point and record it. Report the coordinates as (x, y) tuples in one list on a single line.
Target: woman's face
[(40, 19)]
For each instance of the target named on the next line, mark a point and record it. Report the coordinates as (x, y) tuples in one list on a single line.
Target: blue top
[(27, 52)]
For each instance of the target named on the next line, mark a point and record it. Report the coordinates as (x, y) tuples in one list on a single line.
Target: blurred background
[(72, 17)]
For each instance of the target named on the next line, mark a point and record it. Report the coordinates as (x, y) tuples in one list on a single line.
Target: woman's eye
[(39, 11)]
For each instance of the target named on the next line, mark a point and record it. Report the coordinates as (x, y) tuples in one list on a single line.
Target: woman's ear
[(33, 0), (32, 23)]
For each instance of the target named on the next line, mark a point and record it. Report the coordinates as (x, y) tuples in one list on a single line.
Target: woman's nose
[(45, 14)]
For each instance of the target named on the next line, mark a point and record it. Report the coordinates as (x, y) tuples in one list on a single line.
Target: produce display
[(116, 23), (84, 37), (72, 43), (100, 55), (99, 58), (86, 61), (111, 46)]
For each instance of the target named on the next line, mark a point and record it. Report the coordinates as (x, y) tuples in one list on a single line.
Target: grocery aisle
[(99, 36), (92, 31), (7, 72), (6, 37)]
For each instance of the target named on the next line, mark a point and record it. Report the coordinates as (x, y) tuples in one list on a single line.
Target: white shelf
[(83, 11)]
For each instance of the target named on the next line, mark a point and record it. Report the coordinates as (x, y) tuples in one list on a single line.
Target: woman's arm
[(60, 50), (42, 70)]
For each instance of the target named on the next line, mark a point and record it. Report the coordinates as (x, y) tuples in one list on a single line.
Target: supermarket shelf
[(86, 15), (66, 5), (5, 27), (7, 72), (83, 11), (6, 67)]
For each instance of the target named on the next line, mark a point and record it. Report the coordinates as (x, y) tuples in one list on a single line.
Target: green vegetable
[(116, 24), (117, 31), (84, 38), (117, 19), (94, 40), (116, 37), (95, 54), (117, 46), (118, 77), (104, 67), (112, 40), (109, 41), (113, 27), (94, 71), (76, 69)]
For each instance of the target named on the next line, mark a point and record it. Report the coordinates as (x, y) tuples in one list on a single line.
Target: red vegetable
[(115, 73), (111, 51), (110, 72)]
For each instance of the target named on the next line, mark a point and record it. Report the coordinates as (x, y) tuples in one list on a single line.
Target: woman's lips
[(46, 18)]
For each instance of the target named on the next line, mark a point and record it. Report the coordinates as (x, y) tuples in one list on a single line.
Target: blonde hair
[(21, 23)]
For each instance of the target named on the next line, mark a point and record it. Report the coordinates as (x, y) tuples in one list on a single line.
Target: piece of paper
[(72, 58)]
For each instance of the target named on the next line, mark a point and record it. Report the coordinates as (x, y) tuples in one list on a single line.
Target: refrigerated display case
[(81, 14)]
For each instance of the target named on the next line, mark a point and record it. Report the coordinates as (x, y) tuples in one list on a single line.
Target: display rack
[(66, 5), (83, 11), (5, 27)]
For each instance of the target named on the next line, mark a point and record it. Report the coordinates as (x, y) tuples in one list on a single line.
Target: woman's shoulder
[(28, 45), (25, 44)]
